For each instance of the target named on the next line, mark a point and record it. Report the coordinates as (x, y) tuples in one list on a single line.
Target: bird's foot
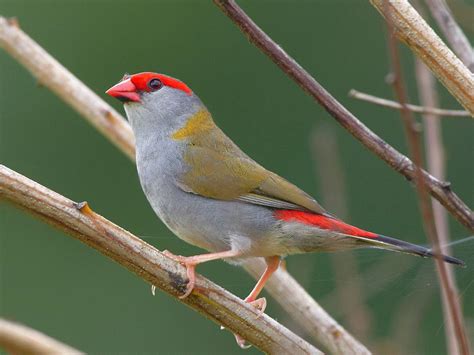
[(260, 304), (190, 264), (241, 342)]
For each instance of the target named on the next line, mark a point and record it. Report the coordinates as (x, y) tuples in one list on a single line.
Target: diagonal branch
[(217, 304), (451, 30), (282, 286), (16, 338), (439, 189), (431, 111)]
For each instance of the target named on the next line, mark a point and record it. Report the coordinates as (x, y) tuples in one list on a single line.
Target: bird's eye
[(155, 84)]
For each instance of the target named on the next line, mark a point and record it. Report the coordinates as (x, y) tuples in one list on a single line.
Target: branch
[(409, 124), (19, 339), (430, 110), (217, 304), (411, 29), (65, 85), (282, 286), (436, 165), (304, 310), (451, 30), (399, 162)]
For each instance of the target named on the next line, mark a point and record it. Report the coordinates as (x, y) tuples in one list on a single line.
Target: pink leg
[(272, 265), (273, 262), (191, 261)]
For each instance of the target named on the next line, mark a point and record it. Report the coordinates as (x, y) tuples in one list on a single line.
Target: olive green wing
[(226, 176)]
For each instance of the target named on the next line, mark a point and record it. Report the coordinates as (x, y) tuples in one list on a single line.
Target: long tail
[(368, 238), (384, 242)]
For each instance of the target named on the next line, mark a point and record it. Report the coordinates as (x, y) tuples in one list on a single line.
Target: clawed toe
[(241, 342), (180, 259), (260, 304)]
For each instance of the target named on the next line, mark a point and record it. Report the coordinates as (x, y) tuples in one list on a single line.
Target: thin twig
[(412, 30), (19, 339), (439, 189), (414, 144), (217, 304), (451, 30), (437, 166), (282, 286), (432, 111)]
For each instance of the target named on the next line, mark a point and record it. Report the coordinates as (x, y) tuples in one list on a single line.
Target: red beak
[(124, 91)]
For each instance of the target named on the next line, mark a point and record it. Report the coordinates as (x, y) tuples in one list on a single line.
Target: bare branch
[(69, 88), (217, 304), (432, 111), (399, 162), (451, 30), (282, 286), (412, 30), (436, 165), (409, 124), (19, 339)]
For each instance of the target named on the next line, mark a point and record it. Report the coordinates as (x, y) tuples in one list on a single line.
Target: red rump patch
[(141, 81), (322, 222)]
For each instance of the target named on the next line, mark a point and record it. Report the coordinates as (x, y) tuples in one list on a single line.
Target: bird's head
[(155, 101)]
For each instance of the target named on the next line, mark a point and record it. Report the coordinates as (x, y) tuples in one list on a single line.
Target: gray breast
[(211, 224)]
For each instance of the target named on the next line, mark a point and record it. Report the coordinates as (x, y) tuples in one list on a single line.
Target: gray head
[(155, 103)]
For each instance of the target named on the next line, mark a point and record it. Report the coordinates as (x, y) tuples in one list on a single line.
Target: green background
[(57, 285)]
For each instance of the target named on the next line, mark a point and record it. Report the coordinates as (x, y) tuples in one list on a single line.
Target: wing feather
[(219, 169)]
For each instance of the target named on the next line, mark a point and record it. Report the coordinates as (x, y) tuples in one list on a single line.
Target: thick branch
[(431, 111), (18, 339), (217, 304), (410, 28), (451, 30), (282, 286), (438, 189)]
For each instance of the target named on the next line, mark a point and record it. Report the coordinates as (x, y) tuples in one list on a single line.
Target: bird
[(212, 195)]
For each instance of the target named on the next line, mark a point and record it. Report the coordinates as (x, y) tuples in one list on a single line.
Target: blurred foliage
[(69, 291)]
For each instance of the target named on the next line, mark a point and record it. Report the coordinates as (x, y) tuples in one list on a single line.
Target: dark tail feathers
[(405, 247)]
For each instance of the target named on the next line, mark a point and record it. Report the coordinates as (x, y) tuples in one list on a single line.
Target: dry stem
[(427, 213), (430, 110), (284, 289), (451, 30), (217, 304), (410, 28), (436, 165), (19, 339)]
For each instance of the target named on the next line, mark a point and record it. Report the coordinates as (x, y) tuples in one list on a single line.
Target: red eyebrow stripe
[(322, 222), (141, 80)]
